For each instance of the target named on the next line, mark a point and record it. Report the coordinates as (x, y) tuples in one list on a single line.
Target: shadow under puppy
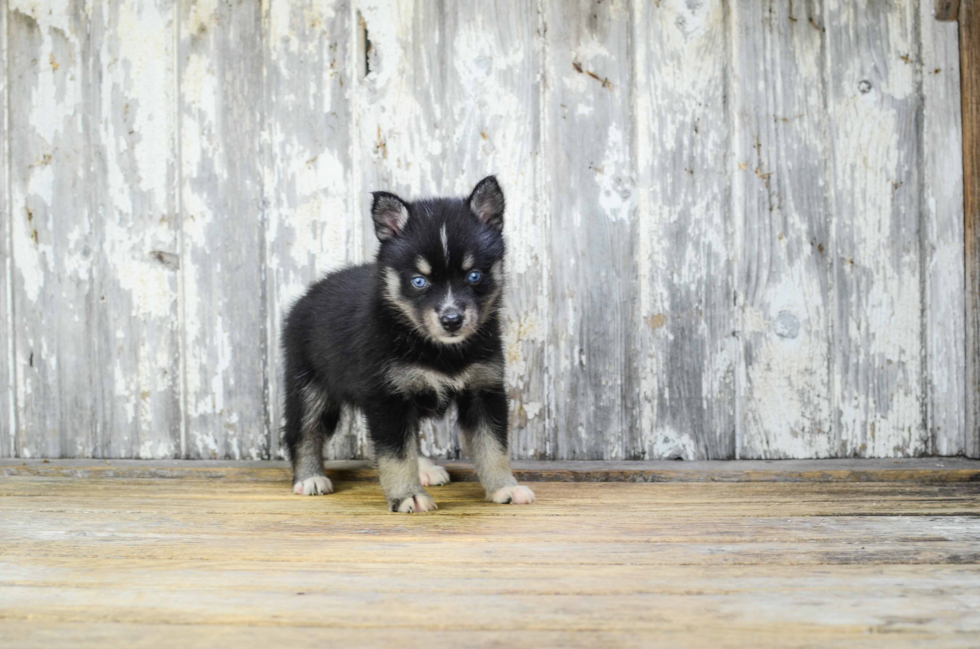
[(403, 338)]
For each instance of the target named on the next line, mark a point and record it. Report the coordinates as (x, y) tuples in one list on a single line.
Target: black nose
[(451, 322)]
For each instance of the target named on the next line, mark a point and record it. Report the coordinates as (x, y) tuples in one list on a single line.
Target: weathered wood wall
[(735, 226)]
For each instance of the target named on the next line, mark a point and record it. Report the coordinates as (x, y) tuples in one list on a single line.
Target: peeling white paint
[(668, 293)]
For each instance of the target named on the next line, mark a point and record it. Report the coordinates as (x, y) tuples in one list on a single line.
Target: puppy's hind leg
[(311, 418)]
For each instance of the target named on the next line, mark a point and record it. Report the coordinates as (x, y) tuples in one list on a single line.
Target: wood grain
[(8, 380), (92, 209), (312, 227), (970, 97), (222, 203), (588, 147), (783, 240), (54, 295), (622, 564), (131, 110), (944, 298), (875, 143), (683, 351), (917, 470)]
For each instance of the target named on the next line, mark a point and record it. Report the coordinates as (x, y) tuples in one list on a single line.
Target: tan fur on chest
[(413, 379)]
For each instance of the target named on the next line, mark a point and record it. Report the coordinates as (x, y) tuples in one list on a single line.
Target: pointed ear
[(487, 202), (390, 215)]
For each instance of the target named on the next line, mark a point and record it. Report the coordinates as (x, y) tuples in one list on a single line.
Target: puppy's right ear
[(390, 215)]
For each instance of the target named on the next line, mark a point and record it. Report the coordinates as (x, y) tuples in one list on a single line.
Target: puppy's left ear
[(487, 202)]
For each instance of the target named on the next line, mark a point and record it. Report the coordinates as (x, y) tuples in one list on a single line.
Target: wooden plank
[(130, 97), (782, 230), (93, 169), (47, 148), (312, 227), (796, 565), (222, 206), (590, 157), (683, 349), (875, 141), (55, 234), (269, 507), (970, 102), (942, 236), (923, 471), (456, 123), (80, 634), (8, 422)]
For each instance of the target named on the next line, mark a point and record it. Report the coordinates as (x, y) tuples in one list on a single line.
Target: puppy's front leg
[(483, 420), (393, 433)]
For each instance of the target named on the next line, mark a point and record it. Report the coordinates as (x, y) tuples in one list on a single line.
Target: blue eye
[(474, 277), (419, 282)]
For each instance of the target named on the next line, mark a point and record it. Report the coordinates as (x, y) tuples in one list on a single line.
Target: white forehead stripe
[(468, 261), (424, 266), (445, 243), (448, 302)]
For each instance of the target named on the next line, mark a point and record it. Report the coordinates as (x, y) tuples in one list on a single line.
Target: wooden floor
[(104, 559)]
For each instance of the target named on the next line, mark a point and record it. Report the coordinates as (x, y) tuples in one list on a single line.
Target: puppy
[(403, 338)]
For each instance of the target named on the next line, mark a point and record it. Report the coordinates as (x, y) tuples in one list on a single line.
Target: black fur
[(342, 338)]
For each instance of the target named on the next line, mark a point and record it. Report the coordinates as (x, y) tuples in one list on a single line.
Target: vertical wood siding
[(875, 144), (941, 205), (7, 379), (589, 180), (221, 104), (686, 347), (784, 247), (735, 228)]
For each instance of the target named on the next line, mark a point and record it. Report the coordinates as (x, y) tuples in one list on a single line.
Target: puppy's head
[(441, 260)]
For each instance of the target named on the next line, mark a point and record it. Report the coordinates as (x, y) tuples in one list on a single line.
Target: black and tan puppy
[(403, 338)]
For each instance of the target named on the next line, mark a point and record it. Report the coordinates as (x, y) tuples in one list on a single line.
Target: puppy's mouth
[(449, 337)]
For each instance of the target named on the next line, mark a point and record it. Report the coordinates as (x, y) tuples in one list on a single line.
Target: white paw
[(315, 486), (432, 475), (415, 504), (516, 495)]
